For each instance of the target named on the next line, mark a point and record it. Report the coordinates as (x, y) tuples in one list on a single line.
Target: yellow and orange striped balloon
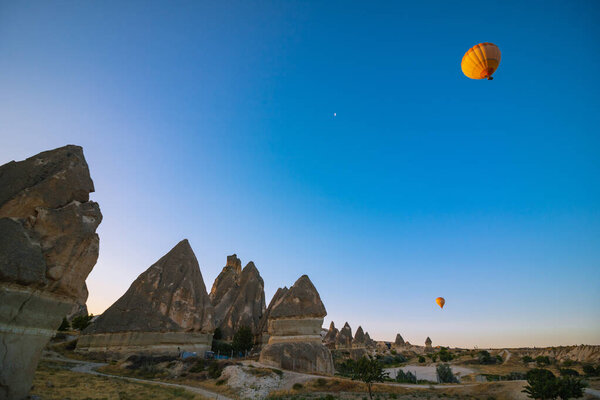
[(481, 61)]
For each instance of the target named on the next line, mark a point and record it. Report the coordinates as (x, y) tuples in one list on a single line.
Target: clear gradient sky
[(213, 121)]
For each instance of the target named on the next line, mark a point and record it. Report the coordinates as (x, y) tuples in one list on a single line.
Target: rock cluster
[(48, 246), (294, 326), (344, 338), (238, 297), (166, 309), (428, 344)]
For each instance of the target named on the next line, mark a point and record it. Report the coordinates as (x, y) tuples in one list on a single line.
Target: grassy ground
[(54, 381)]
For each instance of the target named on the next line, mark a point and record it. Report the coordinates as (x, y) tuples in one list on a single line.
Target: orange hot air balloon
[(440, 302), (481, 61)]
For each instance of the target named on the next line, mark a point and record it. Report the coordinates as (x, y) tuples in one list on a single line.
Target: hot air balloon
[(481, 61), (440, 302)]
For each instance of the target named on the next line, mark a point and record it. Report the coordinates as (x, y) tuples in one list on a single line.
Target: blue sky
[(214, 122)]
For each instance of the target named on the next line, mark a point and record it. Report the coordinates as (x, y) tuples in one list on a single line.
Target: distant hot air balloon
[(440, 302), (481, 61)]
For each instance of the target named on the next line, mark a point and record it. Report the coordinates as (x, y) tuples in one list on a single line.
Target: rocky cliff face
[(169, 297), (48, 246), (368, 341), (238, 297), (344, 338), (295, 323)]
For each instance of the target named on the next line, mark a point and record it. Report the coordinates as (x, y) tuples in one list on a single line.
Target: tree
[(405, 377), (368, 371), (541, 384), (218, 335), (445, 355), (64, 326), (570, 387), (81, 322), (444, 374), (527, 359), (243, 339)]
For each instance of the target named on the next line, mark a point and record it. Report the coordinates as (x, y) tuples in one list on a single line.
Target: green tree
[(405, 377), (570, 387), (541, 384), (444, 374), (218, 334), (368, 371), (243, 339), (81, 322), (527, 359), (421, 359), (64, 326)]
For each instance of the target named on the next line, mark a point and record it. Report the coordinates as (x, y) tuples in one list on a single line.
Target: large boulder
[(238, 298), (165, 310), (344, 338), (48, 246), (294, 328)]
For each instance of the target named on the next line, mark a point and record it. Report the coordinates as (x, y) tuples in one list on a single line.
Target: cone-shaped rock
[(225, 288), (166, 307), (263, 326), (399, 341), (249, 304), (428, 347), (331, 335), (368, 341), (359, 338), (48, 246), (295, 323), (344, 338)]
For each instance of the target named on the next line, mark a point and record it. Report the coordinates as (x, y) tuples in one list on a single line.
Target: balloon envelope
[(481, 61), (440, 302)]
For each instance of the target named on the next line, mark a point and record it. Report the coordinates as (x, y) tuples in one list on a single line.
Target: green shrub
[(421, 359), (64, 326), (405, 377), (297, 386), (542, 361), (527, 359), (198, 366), (243, 340), (218, 334), (542, 384), (215, 370), (81, 322), (444, 374), (220, 382), (568, 372), (589, 370)]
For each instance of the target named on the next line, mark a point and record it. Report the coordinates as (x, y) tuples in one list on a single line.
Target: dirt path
[(87, 367), (593, 392)]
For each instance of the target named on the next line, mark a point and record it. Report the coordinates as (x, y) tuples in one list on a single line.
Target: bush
[(542, 361), (568, 363), (421, 359), (541, 384), (64, 326), (527, 359), (81, 322), (405, 377), (198, 367), (570, 387), (444, 374), (243, 340), (221, 347), (485, 358), (218, 334), (568, 372), (215, 370), (589, 370), (297, 386), (445, 355)]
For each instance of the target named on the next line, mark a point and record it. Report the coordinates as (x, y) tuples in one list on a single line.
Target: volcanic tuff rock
[(164, 308), (295, 322), (238, 297), (359, 338), (48, 246), (368, 341), (263, 326), (331, 335), (399, 341), (344, 338), (428, 344)]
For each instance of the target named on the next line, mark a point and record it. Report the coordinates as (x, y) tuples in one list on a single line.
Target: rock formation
[(238, 297), (332, 333), (165, 309), (359, 338), (344, 338), (294, 326), (399, 341), (262, 337), (428, 344), (368, 341), (48, 246)]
